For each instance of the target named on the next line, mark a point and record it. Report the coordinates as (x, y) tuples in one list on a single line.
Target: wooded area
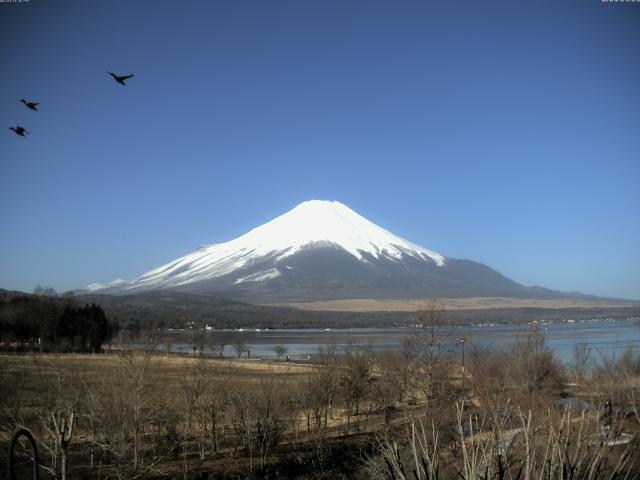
[(45, 322)]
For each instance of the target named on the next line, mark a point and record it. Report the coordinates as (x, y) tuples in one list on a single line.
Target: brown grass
[(171, 365), (471, 303)]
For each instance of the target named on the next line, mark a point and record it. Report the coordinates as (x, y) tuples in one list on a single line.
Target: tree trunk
[(63, 464)]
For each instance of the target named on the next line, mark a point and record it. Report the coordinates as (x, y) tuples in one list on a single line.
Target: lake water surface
[(606, 337)]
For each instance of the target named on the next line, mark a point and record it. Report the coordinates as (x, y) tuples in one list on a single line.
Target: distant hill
[(174, 309), (171, 309)]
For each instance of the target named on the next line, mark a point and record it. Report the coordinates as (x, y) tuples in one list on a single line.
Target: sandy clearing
[(471, 303)]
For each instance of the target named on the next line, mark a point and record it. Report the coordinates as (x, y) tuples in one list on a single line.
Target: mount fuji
[(321, 250)]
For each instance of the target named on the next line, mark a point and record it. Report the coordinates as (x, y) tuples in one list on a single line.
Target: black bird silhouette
[(19, 130), (31, 105), (120, 79)]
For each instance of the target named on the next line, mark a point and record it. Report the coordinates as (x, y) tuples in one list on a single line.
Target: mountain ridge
[(322, 250)]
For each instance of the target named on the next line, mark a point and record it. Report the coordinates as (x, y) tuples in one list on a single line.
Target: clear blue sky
[(504, 132)]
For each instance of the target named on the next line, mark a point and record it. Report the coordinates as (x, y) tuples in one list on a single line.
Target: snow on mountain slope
[(314, 222), (92, 287)]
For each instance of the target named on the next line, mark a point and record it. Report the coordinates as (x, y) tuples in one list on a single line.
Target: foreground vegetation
[(413, 413)]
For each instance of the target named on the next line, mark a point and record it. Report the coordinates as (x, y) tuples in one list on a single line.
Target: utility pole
[(462, 340)]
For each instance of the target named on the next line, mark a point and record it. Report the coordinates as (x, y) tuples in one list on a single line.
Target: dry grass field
[(470, 303), (179, 394)]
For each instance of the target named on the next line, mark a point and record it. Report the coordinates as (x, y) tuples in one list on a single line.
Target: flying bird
[(120, 79), (31, 105), (19, 130)]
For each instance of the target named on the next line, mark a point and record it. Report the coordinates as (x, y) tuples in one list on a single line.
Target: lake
[(606, 337)]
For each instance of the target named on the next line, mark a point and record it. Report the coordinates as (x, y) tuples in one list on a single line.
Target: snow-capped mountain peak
[(313, 223), (328, 221)]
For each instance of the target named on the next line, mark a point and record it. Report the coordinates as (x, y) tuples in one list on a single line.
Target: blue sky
[(504, 132)]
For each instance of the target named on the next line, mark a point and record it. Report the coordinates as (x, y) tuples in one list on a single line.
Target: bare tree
[(280, 350), (221, 344), (44, 291), (582, 361), (396, 369), (193, 386), (12, 395), (423, 459), (216, 401), (426, 348), (260, 416), (536, 372), (316, 400), (136, 384), (196, 340), (240, 347), (355, 379), (531, 448), (492, 379), (167, 344), (618, 378), (91, 405), (59, 414), (130, 407)]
